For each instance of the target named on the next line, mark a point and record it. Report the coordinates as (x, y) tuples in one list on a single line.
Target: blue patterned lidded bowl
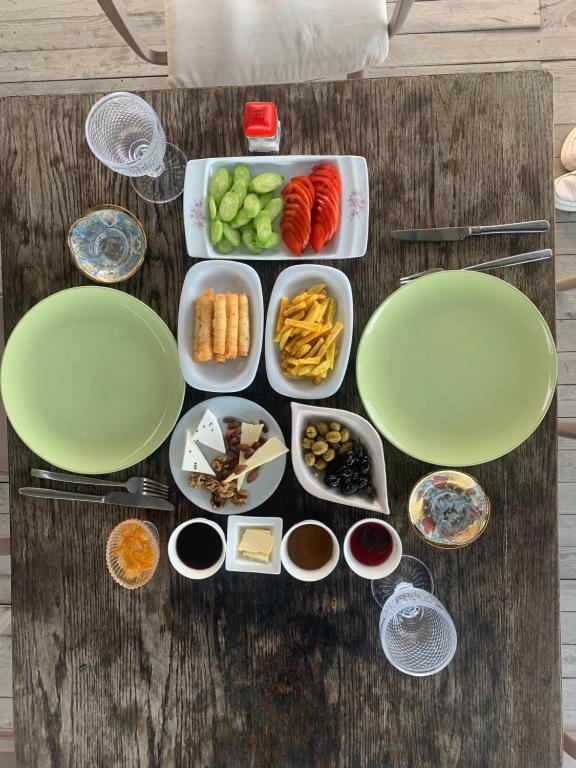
[(107, 243), (448, 509)]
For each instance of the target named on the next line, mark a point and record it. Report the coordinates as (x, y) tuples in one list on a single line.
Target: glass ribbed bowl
[(115, 562), (417, 633)]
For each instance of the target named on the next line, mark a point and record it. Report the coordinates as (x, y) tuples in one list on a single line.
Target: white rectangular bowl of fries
[(309, 331), (317, 206), (220, 326)]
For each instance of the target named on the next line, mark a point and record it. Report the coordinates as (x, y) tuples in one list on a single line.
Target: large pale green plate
[(456, 368), (90, 380)]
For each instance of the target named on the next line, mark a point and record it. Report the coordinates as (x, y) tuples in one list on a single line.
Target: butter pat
[(257, 544)]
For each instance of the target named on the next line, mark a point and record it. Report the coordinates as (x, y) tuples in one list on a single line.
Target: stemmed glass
[(125, 134), (417, 633)]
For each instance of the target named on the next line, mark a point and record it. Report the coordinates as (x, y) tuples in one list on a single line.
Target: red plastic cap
[(260, 119)]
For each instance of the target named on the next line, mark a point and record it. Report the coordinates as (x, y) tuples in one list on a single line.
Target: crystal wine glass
[(417, 633), (125, 134)]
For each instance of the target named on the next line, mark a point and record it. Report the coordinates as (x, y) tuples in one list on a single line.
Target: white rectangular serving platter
[(349, 242)]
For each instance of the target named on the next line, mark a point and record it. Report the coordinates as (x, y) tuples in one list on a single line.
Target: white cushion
[(248, 42)]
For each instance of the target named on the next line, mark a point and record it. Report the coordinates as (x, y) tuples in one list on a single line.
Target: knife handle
[(61, 477), (51, 493), (522, 227)]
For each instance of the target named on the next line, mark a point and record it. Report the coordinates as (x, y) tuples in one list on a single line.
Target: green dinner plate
[(91, 381), (456, 368)]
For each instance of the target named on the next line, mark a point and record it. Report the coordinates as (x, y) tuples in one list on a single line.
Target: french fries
[(306, 334), (221, 327)]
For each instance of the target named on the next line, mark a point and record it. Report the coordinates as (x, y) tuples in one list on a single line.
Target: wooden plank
[(567, 532), (567, 561), (569, 693), (568, 595), (566, 466), (567, 498), (185, 657), (568, 627), (59, 34), (61, 87), (6, 717), (467, 15), (567, 399), (76, 64), (16, 10), (569, 661), (566, 367), (566, 238), (569, 722), (566, 335)]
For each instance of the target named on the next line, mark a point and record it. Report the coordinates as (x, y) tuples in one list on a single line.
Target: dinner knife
[(444, 234), (119, 498)]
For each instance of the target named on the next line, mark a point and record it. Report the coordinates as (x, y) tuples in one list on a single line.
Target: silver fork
[(142, 485), (506, 261)]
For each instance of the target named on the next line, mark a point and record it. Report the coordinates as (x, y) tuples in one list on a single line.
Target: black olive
[(365, 465), (363, 481), (370, 491), (349, 488), (332, 480)]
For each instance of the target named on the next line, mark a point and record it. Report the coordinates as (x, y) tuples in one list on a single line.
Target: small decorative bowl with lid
[(448, 509)]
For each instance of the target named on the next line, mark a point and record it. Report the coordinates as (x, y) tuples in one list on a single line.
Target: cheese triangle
[(272, 449), (194, 460), (208, 432), (249, 434)]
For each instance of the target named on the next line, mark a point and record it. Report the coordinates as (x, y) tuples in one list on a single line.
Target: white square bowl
[(235, 561), (221, 276), (350, 240), (291, 282), (359, 428)]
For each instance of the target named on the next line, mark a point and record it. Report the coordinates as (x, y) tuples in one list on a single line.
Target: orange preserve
[(132, 553)]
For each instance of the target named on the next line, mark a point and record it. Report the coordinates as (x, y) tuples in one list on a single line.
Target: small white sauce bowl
[(302, 573), (374, 571), (182, 568)]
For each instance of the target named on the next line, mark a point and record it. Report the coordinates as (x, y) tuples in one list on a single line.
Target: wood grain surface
[(242, 670)]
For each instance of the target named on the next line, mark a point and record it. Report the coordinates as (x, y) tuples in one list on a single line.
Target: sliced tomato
[(329, 168), (330, 211), (293, 226), (306, 184), (292, 242), (322, 184), (298, 198), (317, 236)]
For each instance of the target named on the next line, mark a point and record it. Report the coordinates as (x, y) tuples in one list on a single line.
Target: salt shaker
[(261, 126)]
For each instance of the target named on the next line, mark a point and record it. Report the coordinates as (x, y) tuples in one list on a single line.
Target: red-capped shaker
[(261, 126)]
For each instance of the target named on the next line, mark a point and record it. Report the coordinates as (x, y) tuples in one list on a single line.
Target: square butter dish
[(237, 562)]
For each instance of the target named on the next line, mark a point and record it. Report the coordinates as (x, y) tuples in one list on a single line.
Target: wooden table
[(244, 670)]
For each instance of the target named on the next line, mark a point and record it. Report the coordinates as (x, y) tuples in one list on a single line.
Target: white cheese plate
[(237, 562), (349, 242), (269, 475)]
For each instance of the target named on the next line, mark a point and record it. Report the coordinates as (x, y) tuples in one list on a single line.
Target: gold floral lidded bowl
[(107, 244), (448, 509)]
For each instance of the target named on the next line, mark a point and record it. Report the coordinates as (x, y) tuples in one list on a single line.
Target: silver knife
[(119, 498), (443, 234)]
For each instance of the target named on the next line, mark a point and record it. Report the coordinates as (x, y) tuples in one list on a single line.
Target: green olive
[(307, 442), (320, 464), (311, 431), (310, 459), (335, 427), (334, 437), (345, 432), (322, 427), (345, 447), (319, 447), (329, 455)]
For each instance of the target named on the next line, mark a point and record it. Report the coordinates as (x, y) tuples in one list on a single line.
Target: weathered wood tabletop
[(244, 670)]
